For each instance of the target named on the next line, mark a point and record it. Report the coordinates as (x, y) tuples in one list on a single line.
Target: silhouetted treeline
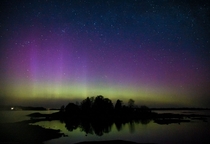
[(98, 114), (103, 107)]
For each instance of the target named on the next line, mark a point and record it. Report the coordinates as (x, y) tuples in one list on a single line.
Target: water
[(196, 131), (17, 116), (200, 112)]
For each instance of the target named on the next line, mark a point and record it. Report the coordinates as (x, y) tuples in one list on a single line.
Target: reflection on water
[(100, 127), (96, 127), (89, 132)]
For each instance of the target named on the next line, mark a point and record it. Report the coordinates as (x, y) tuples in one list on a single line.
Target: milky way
[(155, 52)]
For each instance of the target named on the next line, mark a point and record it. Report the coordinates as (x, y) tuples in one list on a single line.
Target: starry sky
[(156, 52)]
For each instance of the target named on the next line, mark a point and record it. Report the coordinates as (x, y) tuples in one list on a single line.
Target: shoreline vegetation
[(94, 115)]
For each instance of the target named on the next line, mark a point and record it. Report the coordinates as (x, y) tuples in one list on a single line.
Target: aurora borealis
[(153, 51)]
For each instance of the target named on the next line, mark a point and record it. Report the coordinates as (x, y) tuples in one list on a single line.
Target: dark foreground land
[(22, 132), (108, 142)]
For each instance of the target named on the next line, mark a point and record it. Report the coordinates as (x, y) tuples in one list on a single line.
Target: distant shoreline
[(41, 108), (19, 108), (179, 108)]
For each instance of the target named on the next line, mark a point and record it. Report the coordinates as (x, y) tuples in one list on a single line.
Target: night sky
[(156, 52)]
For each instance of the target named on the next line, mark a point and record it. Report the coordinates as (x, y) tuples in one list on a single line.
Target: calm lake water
[(196, 131)]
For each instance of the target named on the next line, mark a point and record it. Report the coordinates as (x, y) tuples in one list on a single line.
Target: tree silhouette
[(102, 105), (131, 103), (72, 109), (86, 105), (118, 105)]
